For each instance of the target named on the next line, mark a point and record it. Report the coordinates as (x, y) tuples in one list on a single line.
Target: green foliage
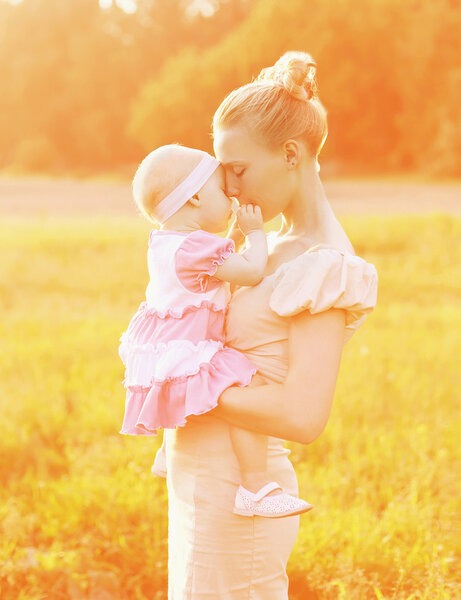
[(80, 512), (386, 75), (69, 71), (103, 87)]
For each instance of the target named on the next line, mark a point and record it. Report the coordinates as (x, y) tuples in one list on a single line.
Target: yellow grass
[(80, 512)]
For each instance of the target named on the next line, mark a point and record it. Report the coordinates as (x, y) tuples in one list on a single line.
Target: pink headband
[(187, 188)]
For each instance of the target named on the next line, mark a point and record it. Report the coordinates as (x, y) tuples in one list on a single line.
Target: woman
[(316, 292)]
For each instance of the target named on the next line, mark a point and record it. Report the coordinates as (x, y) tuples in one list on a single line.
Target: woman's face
[(254, 172)]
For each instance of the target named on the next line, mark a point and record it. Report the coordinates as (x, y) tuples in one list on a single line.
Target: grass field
[(81, 516)]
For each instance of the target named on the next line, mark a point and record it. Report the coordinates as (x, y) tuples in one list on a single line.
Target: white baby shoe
[(159, 466), (249, 504)]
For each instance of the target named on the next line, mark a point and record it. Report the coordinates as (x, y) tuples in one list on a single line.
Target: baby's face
[(216, 207)]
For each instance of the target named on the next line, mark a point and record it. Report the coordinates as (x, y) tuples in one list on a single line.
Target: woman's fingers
[(258, 380)]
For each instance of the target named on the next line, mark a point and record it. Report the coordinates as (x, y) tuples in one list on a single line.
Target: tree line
[(87, 87)]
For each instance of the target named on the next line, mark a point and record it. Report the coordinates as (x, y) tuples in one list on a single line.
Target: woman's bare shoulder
[(339, 245), (285, 249), (338, 239)]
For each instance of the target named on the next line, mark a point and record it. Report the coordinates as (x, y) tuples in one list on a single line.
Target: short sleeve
[(326, 278), (198, 258)]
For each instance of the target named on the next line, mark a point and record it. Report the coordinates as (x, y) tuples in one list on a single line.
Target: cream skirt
[(212, 553)]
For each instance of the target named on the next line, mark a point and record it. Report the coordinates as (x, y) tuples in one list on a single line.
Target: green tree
[(387, 73)]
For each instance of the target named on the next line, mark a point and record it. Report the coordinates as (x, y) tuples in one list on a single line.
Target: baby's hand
[(249, 218)]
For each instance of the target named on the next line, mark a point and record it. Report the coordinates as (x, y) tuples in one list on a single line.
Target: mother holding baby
[(314, 295)]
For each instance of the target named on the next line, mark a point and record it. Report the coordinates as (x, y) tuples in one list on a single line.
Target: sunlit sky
[(206, 7), (129, 6)]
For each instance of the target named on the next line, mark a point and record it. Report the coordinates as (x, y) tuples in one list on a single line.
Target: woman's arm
[(297, 409)]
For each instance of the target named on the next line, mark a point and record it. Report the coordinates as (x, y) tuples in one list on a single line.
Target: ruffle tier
[(179, 312), (167, 404), (192, 323), (149, 363)]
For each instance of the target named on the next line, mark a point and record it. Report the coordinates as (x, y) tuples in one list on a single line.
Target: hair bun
[(295, 71)]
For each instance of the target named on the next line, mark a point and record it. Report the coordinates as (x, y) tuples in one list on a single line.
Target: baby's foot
[(263, 504), (254, 481)]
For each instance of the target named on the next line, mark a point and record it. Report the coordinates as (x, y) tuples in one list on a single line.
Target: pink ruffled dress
[(176, 363)]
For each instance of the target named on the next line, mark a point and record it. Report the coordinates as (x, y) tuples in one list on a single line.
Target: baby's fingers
[(251, 208)]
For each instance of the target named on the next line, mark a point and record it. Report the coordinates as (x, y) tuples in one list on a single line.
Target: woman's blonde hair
[(281, 103)]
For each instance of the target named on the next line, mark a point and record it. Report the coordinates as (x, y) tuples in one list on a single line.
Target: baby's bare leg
[(251, 451)]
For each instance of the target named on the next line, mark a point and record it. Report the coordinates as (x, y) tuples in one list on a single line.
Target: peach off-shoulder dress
[(214, 554)]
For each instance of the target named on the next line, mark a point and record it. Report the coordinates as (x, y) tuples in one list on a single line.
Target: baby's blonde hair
[(281, 103), (155, 177), (147, 185)]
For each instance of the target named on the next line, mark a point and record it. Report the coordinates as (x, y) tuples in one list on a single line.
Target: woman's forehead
[(233, 146)]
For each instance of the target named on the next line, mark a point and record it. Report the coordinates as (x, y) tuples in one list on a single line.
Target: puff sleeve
[(323, 279), (198, 258)]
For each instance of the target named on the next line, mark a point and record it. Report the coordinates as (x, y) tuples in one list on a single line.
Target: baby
[(174, 353)]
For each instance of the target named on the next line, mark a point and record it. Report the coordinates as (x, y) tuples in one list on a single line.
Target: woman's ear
[(292, 153)]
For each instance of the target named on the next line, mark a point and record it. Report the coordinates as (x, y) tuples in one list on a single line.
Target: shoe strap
[(273, 485)]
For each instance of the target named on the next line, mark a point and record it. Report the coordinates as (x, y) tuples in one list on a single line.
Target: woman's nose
[(231, 188)]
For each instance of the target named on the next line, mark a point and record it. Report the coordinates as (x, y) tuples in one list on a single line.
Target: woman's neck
[(306, 213), (310, 216)]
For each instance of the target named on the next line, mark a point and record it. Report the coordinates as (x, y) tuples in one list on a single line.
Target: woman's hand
[(258, 379)]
